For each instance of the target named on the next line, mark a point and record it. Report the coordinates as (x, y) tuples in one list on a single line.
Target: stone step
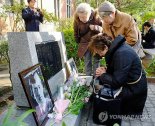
[(4, 76), (1, 69), (4, 68)]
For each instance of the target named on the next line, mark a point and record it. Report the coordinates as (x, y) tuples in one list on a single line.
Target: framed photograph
[(71, 68), (37, 92)]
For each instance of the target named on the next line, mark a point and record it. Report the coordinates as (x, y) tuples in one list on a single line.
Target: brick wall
[(63, 8)]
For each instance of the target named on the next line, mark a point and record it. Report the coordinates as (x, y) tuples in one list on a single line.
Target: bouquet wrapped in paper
[(60, 106)]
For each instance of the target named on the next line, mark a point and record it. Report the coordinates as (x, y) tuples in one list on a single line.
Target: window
[(68, 8), (57, 7), (39, 4)]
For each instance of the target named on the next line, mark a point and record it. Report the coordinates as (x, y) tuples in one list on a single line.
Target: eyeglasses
[(104, 14)]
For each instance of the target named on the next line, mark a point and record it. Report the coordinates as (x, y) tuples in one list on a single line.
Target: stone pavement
[(148, 117), (148, 114)]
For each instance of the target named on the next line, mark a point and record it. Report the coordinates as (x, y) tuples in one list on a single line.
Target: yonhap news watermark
[(126, 117), (104, 116)]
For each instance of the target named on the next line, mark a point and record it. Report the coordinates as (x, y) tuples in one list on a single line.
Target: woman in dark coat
[(124, 69), (32, 16)]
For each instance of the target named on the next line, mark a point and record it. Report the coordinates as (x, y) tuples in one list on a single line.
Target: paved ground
[(147, 120), (148, 114), (148, 117)]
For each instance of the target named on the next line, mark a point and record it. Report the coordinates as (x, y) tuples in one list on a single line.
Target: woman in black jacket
[(149, 37), (124, 69)]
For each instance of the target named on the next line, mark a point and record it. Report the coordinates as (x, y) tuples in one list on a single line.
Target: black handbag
[(106, 106)]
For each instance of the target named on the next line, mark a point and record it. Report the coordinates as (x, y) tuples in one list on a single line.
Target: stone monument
[(22, 54)]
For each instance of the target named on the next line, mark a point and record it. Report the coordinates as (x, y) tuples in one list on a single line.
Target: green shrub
[(49, 17), (148, 15), (72, 47), (66, 26), (151, 68), (4, 58)]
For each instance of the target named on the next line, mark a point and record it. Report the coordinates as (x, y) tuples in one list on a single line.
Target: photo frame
[(71, 68), (37, 92)]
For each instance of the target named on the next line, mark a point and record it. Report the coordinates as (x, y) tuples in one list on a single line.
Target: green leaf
[(10, 123), (8, 115), (22, 124), (64, 124), (24, 115)]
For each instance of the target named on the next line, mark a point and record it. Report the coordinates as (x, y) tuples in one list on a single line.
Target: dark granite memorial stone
[(49, 56)]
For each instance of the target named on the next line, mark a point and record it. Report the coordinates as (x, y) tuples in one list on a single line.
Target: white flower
[(75, 79), (87, 83), (65, 87), (86, 99), (54, 109), (83, 80), (77, 85), (81, 84), (69, 94), (51, 115), (69, 89), (76, 75)]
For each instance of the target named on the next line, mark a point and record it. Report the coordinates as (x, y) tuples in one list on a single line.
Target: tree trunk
[(96, 3), (87, 1)]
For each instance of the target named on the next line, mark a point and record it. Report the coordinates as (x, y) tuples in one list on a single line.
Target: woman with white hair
[(86, 25)]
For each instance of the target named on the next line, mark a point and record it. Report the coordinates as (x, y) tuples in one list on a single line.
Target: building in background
[(61, 8)]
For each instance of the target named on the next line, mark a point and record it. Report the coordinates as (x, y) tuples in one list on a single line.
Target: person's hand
[(35, 10), (100, 34), (92, 27), (40, 11), (98, 87), (100, 71), (100, 29)]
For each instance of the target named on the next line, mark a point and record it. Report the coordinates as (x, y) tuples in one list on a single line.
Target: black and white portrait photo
[(71, 67), (37, 92)]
